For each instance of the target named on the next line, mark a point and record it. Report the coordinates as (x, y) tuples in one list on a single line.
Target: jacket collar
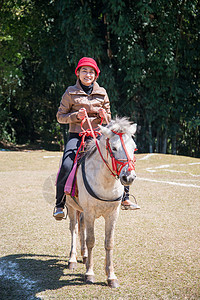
[(77, 89)]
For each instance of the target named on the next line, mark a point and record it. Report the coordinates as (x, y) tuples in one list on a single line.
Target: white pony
[(100, 180)]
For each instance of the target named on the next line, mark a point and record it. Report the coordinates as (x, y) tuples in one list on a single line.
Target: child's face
[(86, 75)]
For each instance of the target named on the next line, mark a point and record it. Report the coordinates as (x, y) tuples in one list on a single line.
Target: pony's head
[(120, 146)]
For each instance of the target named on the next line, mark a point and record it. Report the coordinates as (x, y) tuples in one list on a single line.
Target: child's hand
[(101, 112), (81, 113)]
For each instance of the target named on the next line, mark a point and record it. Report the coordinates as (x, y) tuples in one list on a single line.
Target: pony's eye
[(114, 149)]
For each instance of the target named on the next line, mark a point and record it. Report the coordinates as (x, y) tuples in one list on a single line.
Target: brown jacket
[(75, 98)]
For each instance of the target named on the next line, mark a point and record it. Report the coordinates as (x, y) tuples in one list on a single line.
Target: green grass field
[(157, 248)]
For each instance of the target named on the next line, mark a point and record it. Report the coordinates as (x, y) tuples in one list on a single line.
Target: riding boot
[(126, 203)]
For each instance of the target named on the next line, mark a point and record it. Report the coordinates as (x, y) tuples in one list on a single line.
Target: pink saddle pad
[(70, 185)]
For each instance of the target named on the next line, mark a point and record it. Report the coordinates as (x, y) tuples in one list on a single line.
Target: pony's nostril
[(124, 178), (131, 179)]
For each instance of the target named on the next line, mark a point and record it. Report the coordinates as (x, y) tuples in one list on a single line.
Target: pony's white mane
[(120, 125)]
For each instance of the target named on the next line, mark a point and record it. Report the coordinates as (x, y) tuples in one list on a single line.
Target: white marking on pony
[(169, 182)]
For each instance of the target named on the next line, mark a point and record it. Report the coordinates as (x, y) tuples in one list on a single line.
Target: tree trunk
[(164, 144), (174, 144), (157, 141), (150, 139)]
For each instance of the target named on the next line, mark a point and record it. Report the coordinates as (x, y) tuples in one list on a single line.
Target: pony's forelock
[(120, 125)]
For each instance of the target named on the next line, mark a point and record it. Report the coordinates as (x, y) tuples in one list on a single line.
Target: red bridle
[(91, 132), (120, 162)]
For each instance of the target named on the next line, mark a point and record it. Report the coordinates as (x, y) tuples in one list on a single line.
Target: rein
[(94, 133), (114, 171)]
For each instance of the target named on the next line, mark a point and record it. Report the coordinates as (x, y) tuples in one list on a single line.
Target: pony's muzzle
[(127, 179)]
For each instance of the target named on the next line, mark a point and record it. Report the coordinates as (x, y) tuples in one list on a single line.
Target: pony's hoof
[(72, 265), (89, 279), (113, 283), (84, 260)]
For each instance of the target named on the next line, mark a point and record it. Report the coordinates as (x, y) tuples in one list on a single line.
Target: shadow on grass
[(23, 276)]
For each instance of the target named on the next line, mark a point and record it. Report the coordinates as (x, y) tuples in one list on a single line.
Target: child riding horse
[(85, 96)]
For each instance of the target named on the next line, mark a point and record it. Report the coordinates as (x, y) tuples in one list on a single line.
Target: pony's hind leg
[(90, 241), (109, 245), (82, 235), (72, 263)]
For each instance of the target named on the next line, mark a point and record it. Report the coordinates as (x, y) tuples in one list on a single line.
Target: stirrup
[(60, 215), (132, 206)]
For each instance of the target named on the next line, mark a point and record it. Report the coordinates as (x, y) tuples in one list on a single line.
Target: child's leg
[(126, 193), (126, 203), (67, 164)]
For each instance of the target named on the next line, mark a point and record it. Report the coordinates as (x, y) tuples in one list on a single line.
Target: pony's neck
[(99, 173)]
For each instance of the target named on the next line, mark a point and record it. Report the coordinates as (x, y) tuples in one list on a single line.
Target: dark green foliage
[(148, 53)]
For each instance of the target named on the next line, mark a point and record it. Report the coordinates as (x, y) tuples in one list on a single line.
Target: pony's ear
[(106, 131), (133, 129)]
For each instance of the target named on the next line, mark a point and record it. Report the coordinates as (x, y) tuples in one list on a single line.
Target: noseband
[(122, 162)]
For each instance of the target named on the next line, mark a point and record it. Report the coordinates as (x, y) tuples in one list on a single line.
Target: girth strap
[(89, 189)]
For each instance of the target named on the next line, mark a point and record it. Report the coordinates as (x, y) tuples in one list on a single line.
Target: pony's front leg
[(82, 234), (73, 226), (90, 241), (109, 245)]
